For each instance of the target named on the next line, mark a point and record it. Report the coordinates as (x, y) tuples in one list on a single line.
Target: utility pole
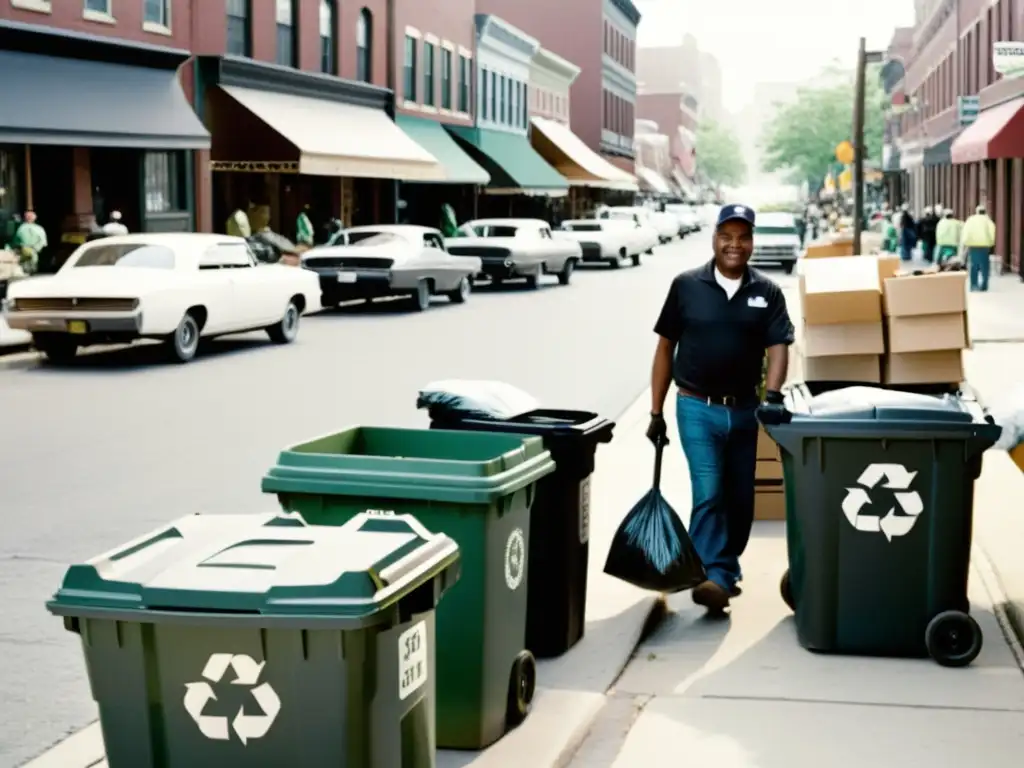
[(858, 147)]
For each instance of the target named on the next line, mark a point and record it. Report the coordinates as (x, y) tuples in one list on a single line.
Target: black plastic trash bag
[(462, 399), (652, 549)]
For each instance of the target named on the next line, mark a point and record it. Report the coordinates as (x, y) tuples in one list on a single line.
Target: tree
[(801, 138), (720, 155)]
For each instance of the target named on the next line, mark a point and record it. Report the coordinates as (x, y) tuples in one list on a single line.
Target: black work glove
[(773, 410), (657, 430)]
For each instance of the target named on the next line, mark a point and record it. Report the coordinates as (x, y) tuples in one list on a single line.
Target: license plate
[(346, 277), (78, 326)]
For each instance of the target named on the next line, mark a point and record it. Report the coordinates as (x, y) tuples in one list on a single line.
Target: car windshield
[(145, 255), (775, 230), (373, 238), (583, 227)]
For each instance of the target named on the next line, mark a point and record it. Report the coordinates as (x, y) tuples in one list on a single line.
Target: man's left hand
[(773, 410)]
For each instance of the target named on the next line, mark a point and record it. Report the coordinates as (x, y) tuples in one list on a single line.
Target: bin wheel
[(786, 590), (953, 639), (521, 687)]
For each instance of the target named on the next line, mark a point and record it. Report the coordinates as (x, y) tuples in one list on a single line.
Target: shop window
[(328, 44), (446, 79), (429, 73), (157, 12), (465, 72), (364, 46), (163, 176), (286, 47), (502, 100), (239, 27), (524, 105), (485, 90), (409, 84), (494, 96)]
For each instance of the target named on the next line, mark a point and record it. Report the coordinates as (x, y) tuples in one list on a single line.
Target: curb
[(1010, 620)]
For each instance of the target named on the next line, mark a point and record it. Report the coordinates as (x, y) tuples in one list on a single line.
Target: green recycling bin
[(879, 506), (477, 488), (259, 641)]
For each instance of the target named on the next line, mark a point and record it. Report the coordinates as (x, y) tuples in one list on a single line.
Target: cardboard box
[(889, 265), (843, 339), (943, 367), (927, 333), (769, 504), (1017, 454), (837, 291), (932, 294), (766, 447), (768, 469), (865, 369)]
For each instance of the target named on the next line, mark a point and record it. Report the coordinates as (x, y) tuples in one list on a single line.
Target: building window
[(286, 48), (101, 7), (494, 96), (328, 49), (429, 73), (464, 74), (524, 105), (162, 182), (364, 46), (485, 90), (503, 100), (446, 79), (239, 42), (409, 80), (157, 12)]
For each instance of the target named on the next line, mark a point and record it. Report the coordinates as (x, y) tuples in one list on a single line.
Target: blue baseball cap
[(735, 213)]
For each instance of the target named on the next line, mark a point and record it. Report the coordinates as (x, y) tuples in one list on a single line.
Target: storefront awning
[(687, 187), (514, 165), (997, 134), (332, 138), (940, 153), (652, 181), (459, 168), (572, 158), (82, 103)]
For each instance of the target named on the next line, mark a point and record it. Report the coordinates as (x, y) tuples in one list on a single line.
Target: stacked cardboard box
[(841, 244), (769, 494), (841, 303), (1017, 454), (926, 328)]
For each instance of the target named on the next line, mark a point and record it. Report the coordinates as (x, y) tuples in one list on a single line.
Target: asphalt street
[(101, 452)]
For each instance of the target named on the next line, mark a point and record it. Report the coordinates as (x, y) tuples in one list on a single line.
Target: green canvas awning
[(514, 165), (459, 168)]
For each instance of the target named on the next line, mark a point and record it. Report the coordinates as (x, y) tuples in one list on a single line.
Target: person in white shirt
[(115, 226)]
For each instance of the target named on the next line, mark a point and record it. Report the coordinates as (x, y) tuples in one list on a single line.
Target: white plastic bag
[(1010, 416), (458, 398)]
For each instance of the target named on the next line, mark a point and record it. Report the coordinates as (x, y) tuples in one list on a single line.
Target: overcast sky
[(772, 40)]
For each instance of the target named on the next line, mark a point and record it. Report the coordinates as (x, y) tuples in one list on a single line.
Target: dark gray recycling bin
[(879, 500), (259, 641)]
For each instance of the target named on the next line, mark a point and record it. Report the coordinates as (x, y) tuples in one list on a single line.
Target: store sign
[(1008, 59), (967, 109)]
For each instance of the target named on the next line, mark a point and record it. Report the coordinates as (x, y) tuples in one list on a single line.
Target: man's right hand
[(657, 430)]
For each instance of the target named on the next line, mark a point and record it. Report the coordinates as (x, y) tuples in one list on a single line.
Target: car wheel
[(461, 293), (788, 267), (616, 263), (565, 276), (285, 331), (533, 279), (636, 259), (184, 342), (421, 298), (59, 349)]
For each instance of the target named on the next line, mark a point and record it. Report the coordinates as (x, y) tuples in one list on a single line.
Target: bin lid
[(264, 565), (543, 422), (877, 404), (421, 464)]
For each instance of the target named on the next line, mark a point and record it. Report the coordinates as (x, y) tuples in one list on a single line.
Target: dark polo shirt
[(720, 342)]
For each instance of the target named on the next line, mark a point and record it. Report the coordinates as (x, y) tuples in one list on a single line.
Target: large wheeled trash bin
[(475, 487), (879, 499), (559, 520), (258, 641)]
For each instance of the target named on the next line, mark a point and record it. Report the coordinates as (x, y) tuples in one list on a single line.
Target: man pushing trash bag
[(714, 329)]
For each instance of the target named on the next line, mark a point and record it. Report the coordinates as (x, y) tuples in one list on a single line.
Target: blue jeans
[(720, 445), (980, 266)]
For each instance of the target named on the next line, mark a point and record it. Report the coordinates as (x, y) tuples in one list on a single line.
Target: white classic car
[(604, 240), (390, 260), (517, 248), (174, 287), (645, 236), (776, 240), (689, 220)]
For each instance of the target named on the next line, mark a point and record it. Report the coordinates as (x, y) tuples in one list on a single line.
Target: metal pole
[(858, 149)]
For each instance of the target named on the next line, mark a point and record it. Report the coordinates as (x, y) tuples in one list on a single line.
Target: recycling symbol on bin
[(901, 517), (246, 725)]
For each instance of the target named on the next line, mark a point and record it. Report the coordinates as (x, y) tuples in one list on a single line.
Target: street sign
[(1008, 59), (967, 109)]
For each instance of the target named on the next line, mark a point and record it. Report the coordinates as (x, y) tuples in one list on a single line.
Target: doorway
[(116, 182)]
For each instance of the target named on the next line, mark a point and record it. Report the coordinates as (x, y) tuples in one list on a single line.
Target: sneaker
[(711, 596)]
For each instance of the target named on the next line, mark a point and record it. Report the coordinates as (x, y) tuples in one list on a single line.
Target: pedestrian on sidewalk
[(978, 238), (947, 237), (717, 322), (908, 234), (926, 232)]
